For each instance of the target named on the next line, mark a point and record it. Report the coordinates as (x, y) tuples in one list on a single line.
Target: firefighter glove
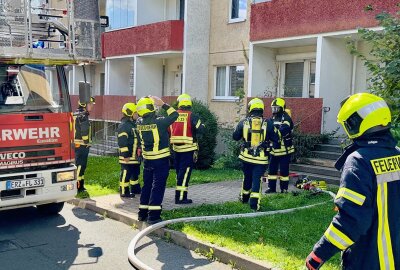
[(313, 262), (195, 156)]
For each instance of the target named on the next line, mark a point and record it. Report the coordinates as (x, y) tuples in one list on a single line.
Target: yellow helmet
[(129, 109), (255, 104), (363, 112), (278, 105), (92, 100), (145, 105), (184, 100)]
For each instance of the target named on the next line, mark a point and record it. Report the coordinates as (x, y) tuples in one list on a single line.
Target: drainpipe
[(163, 79), (353, 78)]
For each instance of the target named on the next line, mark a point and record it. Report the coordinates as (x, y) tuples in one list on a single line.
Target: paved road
[(78, 239)]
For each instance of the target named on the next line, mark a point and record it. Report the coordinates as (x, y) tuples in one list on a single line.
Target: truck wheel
[(51, 208)]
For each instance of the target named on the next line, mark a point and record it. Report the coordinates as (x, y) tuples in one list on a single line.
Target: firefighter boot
[(244, 197), (126, 193), (143, 214), (184, 200), (154, 217), (284, 185), (271, 187), (136, 189), (81, 186)]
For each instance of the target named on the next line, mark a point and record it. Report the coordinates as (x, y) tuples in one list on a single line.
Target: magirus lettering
[(29, 134), (8, 156)]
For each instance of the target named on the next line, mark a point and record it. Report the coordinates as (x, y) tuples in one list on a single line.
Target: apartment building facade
[(298, 50), (216, 49)]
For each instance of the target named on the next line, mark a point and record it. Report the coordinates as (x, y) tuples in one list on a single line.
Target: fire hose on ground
[(134, 260)]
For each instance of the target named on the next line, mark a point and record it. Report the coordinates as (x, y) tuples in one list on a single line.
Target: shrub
[(208, 140), (230, 157)]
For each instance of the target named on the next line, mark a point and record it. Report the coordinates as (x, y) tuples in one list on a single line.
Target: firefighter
[(153, 132), (184, 144), (129, 152), (367, 226), (281, 155), (83, 139), (257, 133)]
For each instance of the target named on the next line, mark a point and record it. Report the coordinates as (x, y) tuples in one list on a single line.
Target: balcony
[(151, 38), (290, 18)]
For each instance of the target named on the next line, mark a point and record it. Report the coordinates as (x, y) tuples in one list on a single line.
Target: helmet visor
[(353, 123), (276, 109)]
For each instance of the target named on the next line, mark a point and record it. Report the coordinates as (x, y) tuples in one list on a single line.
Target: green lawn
[(284, 240), (102, 176)]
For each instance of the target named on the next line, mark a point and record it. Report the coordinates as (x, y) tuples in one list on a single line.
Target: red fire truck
[(39, 41)]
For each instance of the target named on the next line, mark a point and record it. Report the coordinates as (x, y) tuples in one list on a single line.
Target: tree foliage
[(383, 60)]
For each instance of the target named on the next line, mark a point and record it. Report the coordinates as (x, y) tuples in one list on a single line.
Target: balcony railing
[(289, 18), (155, 37)]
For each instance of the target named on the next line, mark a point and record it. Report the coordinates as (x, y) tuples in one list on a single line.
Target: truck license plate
[(28, 183)]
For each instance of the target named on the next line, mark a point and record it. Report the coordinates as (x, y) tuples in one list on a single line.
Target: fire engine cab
[(39, 42)]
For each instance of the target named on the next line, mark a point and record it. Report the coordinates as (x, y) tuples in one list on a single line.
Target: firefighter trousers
[(81, 158), (280, 163), (155, 176), (129, 179), (183, 165), (251, 188)]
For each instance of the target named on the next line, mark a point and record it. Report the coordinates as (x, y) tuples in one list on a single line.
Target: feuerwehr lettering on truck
[(41, 134)]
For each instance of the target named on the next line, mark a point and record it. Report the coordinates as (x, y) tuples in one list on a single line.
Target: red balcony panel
[(107, 108), (306, 113), (155, 37), (288, 18)]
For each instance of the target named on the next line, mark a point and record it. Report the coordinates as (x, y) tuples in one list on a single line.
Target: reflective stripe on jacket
[(128, 141), (251, 150), (83, 129), (283, 122), (184, 131), (367, 226), (153, 133)]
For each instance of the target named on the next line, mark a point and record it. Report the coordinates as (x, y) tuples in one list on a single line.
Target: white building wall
[(119, 70), (148, 76), (76, 75), (362, 74), (173, 72), (196, 48), (99, 68), (264, 71), (335, 78)]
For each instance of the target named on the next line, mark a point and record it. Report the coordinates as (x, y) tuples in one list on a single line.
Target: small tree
[(384, 63)]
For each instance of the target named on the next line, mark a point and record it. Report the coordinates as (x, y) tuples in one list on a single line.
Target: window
[(228, 80), (238, 10), (121, 13), (298, 79), (102, 83)]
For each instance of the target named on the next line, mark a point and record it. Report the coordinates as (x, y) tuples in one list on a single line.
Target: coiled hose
[(132, 245)]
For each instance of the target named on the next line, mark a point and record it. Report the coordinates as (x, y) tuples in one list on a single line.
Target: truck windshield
[(32, 88)]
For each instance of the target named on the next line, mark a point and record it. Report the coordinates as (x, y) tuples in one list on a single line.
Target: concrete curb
[(238, 261)]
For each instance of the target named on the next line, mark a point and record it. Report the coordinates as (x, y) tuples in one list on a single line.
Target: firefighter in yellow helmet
[(129, 152), (280, 156), (153, 132), (256, 133), (366, 228), (83, 139), (184, 144)]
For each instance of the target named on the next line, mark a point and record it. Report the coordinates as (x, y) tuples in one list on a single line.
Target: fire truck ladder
[(42, 32)]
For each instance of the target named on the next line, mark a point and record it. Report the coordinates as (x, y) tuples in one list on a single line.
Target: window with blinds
[(294, 75)]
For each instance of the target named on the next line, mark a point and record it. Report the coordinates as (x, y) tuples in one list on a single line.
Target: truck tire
[(51, 208)]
